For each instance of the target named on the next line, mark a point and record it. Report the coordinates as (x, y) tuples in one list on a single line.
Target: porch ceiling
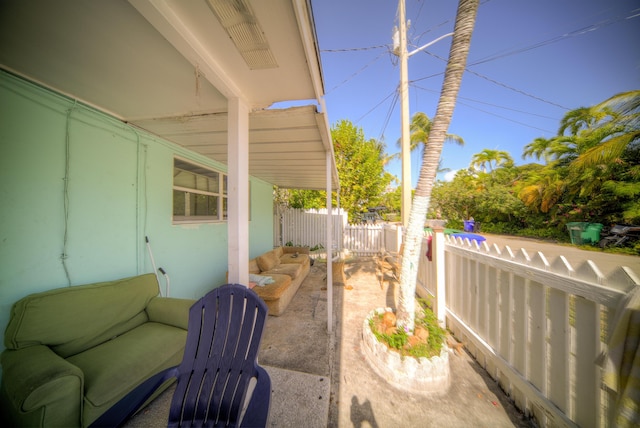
[(169, 66), (286, 145)]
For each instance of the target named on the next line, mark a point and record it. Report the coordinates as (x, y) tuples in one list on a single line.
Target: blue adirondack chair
[(219, 380)]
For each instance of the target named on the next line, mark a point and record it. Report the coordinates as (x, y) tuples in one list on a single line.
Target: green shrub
[(399, 339)]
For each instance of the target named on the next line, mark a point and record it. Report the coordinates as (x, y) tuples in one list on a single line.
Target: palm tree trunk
[(465, 21)]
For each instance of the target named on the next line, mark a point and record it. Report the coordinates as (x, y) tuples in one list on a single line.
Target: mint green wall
[(119, 191)]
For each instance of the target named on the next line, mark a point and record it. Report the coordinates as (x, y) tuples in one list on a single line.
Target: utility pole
[(400, 49), (405, 151)]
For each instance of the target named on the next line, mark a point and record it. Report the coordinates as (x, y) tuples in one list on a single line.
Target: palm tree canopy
[(487, 158), (420, 127)]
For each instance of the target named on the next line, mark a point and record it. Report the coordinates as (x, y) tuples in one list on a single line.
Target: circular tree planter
[(429, 376)]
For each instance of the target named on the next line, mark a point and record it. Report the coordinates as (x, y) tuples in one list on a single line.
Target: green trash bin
[(591, 234), (575, 231)]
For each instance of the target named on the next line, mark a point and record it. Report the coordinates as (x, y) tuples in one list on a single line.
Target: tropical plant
[(428, 338), (463, 30), (489, 159), (360, 164), (420, 127), (592, 164)]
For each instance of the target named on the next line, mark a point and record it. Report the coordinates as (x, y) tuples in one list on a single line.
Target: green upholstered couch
[(74, 352)]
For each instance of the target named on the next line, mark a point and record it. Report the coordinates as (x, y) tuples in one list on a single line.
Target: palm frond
[(605, 152)]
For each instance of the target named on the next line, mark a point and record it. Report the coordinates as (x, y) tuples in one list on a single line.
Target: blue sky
[(530, 62)]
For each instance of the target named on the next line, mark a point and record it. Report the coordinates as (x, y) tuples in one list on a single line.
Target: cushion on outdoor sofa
[(268, 261), (253, 268), (114, 368), (271, 292), (71, 320), (294, 258), (291, 269)]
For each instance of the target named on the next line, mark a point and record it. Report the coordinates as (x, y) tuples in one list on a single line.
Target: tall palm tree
[(465, 21)]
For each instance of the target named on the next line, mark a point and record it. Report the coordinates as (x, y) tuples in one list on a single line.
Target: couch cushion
[(253, 266), (278, 251), (273, 291), (290, 269), (293, 258), (117, 366), (268, 261), (73, 319)]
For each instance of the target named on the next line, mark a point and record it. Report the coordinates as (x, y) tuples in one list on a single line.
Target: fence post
[(437, 251)]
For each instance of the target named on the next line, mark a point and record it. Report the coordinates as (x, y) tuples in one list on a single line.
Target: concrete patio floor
[(321, 379)]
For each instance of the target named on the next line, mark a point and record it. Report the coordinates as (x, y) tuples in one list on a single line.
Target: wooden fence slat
[(559, 345), (483, 316), (586, 374), (493, 307), (520, 334), (537, 334), (505, 315)]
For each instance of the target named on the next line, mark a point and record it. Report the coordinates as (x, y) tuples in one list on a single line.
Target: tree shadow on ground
[(361, 413)]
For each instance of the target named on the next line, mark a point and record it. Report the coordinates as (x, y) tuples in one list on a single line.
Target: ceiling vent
[(242, 26)]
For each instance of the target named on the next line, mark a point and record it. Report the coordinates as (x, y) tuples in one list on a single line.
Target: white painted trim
[(308, 38)]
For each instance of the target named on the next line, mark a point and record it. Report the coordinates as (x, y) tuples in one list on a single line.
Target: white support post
[(438, 259), (329, 246), (238, 191)]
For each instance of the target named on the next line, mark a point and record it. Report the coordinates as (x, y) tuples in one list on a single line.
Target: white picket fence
[(364, 239), (308, 228), (536, 326)]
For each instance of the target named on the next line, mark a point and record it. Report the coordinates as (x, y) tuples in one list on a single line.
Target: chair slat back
[(223, 339)]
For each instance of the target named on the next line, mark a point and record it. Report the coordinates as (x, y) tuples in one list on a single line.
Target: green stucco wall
[(119, 191)]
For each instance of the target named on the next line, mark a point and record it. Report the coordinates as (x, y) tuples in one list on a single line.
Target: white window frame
[(221, 193)]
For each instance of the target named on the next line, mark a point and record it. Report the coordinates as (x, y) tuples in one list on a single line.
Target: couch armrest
[(38, 384), (170, 311), (301, 250)]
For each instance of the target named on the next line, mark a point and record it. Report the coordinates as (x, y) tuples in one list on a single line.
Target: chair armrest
[(257, 412), (170, 311), (36, 377)]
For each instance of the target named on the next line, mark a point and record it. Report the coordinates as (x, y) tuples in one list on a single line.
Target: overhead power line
[(369, 48), (583, 30), (633, 14), (387, 49), (506, 118), (504, 85), (355, 74), (487, 104), (443, 23)]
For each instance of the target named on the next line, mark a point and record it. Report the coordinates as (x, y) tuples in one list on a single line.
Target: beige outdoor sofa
[(288, 267)]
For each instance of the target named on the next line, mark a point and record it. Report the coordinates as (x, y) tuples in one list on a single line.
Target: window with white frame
[(199, 193)]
